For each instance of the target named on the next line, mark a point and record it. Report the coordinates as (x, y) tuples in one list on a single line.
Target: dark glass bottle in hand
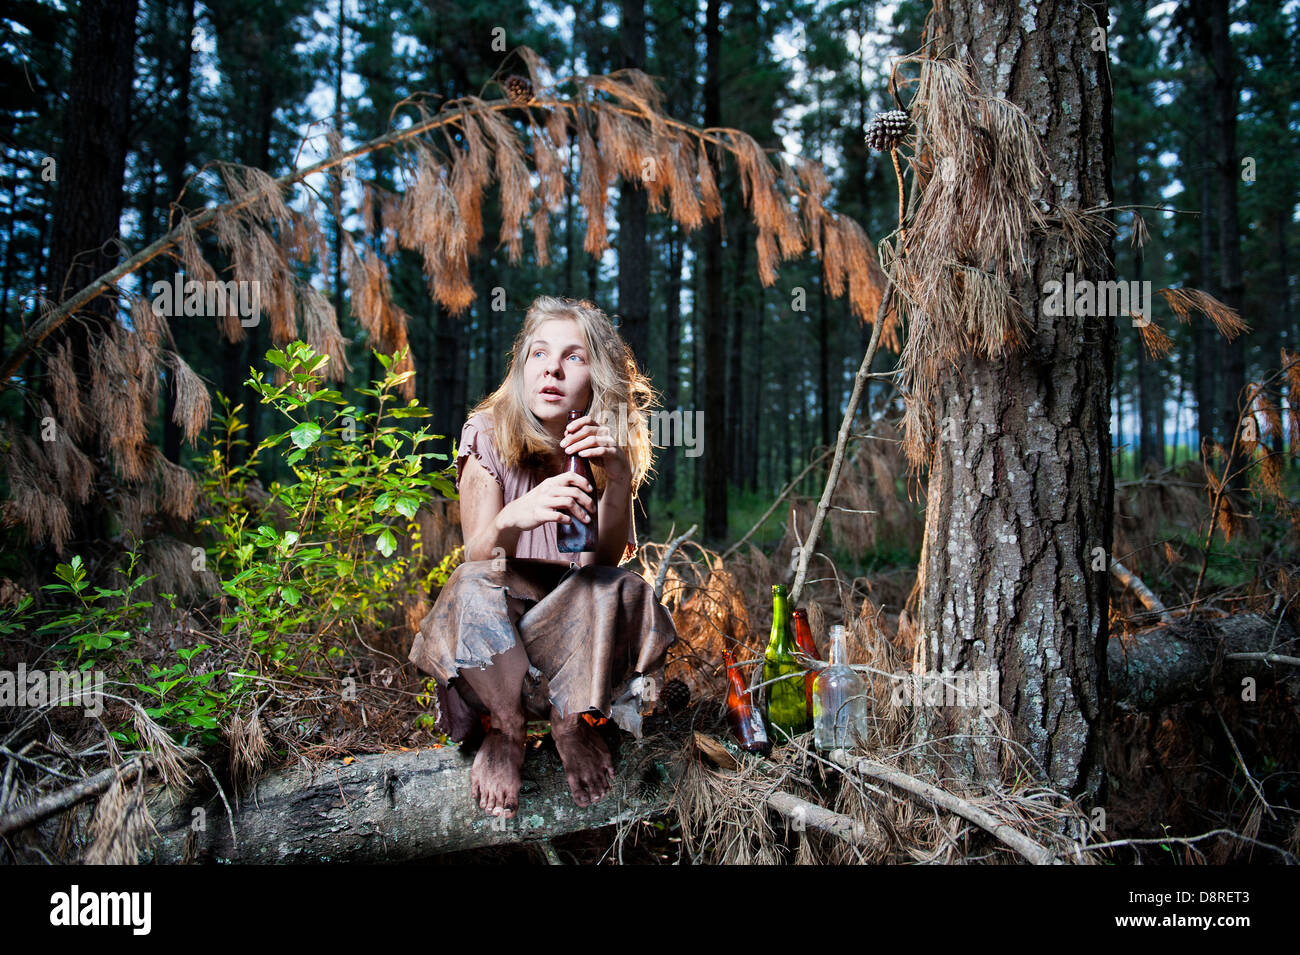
[(576, 536)]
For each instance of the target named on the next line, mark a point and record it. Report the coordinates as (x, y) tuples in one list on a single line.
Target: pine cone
[(519, 90), (886, 130), (675, 695)]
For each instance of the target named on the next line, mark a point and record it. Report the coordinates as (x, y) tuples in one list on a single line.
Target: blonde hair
[(520, 439)]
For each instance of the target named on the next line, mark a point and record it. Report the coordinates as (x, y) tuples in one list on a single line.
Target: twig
[(1187, 840), (841, 442), (1134, 583), (1264, 657), (230, 815), (19, 757), (777, 503), (47, 806), (1032, 851), (662, 574), (1242, 763)]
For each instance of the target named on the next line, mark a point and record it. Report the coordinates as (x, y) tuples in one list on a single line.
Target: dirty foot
[(495, 776), (587, 764)]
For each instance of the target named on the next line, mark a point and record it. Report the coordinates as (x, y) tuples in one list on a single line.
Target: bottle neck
[(781, 639), (839, 646)]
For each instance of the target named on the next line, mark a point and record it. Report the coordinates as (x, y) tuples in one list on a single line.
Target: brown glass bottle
[(742, 715), (804, 641), (575, 536)]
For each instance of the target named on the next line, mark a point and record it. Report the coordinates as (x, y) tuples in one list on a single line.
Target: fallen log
[(1193, 659), (397, 807)]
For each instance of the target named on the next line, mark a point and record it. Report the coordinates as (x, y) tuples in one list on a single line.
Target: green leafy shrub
[(298, 563), (322, 549)]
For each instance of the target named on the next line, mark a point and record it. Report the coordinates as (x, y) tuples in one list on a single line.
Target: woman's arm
[(614, 509), (482, 503), (488, 523)]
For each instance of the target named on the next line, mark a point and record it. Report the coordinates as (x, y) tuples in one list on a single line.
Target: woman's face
[(557, 376)]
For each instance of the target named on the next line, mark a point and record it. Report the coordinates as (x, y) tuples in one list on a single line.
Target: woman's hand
[(561, 498), (596, 443)]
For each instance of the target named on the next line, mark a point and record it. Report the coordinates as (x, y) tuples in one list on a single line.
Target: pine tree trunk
[(713, 319), (736, 350), (176, 162), (756, 392), (1020, 492), (1232, 285), (88, 204), (672, 344), (1203, 335)]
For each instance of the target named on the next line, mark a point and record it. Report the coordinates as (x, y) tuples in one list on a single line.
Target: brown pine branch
[(182, 235)]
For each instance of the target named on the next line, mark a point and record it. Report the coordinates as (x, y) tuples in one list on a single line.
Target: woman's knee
[(475, 571)]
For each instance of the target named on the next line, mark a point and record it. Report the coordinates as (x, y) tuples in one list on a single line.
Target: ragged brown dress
[(595, 636)]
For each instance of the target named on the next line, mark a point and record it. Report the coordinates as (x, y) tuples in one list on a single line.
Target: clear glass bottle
[(839, 700)]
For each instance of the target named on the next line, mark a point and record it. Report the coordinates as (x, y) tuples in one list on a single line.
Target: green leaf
[(386, 543), (406, 506), (305, 434), (290, 595)]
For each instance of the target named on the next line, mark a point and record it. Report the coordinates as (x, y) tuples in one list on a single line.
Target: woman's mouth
[(551, 394)]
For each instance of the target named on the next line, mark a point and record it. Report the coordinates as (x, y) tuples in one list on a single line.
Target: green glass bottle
[(787, 706)]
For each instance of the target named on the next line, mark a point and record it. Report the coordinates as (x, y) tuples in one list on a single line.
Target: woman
[(518, 627)]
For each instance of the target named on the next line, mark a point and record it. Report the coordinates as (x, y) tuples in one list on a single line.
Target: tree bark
[(1020, 491)]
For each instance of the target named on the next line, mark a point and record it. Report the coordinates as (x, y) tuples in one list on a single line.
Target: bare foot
[(587, 764), (495, 777)]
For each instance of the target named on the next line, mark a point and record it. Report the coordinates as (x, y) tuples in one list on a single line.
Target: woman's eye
[(576, 355)]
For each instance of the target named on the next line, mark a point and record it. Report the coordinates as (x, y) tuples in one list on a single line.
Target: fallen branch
[(1264, 658), (1143, 593), (57, 802), (841, 442), (1032, 851), (802, 813), (662, 575), (1189, 840)]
